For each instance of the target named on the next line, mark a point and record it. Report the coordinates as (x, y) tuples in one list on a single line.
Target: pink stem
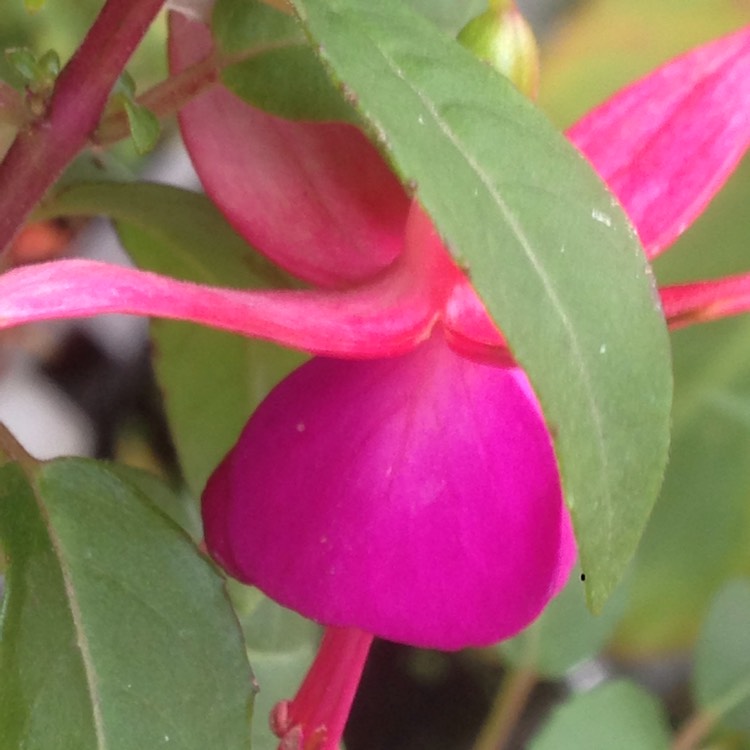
[(388, 316), (40, 152), (686, 304), (316, 718), (164, 99)]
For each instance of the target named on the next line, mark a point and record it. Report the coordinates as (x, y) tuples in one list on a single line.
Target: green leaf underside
[(280, 73), (618, 716), (289, 82), (116, 633), (546, 247)]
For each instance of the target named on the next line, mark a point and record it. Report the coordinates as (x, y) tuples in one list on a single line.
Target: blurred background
[(88, 388)]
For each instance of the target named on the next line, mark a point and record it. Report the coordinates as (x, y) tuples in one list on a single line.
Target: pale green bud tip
[(501, 37)]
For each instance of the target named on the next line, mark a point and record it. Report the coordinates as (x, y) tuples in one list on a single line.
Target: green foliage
[(211, 380), (277, 69), (722, 657), (115, 631), (616, 716), (546, 248), (565, 634), (699, 532), (37, 73)]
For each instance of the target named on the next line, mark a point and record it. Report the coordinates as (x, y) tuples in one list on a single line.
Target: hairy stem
[(164, 99), (44, 148), (167, 97)]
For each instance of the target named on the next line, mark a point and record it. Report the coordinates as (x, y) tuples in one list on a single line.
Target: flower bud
[(501, 37)]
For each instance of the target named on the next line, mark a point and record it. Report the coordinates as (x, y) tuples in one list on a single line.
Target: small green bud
[(37, 73), (501, 37)]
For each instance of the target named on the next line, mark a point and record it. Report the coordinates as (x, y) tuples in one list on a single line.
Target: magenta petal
[(388, 316), (666, 144), (416, 498), (316, 198)]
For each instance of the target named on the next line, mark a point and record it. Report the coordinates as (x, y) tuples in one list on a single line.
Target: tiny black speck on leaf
[(583, 576)]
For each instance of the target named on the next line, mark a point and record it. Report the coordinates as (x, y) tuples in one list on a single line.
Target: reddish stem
[(164, 99), (41, 151), (315, 719)]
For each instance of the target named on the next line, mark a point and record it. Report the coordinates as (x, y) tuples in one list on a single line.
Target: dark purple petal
[(416, 498)]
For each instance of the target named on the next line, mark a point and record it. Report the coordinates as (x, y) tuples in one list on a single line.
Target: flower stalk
[(315, 718), (44, 148)]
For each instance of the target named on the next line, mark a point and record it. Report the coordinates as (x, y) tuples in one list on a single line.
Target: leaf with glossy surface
[(108, 608), (548, 250), (618, 716), (722, 657)]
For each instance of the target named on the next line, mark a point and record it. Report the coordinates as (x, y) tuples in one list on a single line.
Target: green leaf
[(546, 247), (176, 504), (38, 74), (212, 381), (722, 657), (450, 15), (565, 634), (116, 633), (23, 62), (277, 69), (618, 716), (144, 126)]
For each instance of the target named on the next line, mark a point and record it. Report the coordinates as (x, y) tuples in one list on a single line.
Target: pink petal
[(666, 144), (705, 300), (316, 198), (416, 498), (388, 316)]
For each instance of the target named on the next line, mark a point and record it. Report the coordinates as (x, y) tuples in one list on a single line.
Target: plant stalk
[(44, 148), (506, 709)]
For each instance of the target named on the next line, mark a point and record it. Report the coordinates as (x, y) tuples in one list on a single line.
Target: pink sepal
[(666, 144), (388, 316), (315, 198), (702, 301)]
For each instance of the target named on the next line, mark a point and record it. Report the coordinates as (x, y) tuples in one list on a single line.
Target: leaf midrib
[(529, 253)]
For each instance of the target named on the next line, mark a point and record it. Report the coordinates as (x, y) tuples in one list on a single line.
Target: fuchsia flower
[(404, 484)]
